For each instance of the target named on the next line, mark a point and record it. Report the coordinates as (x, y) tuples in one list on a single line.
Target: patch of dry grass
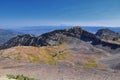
[(48, 54), (91, 64), (112, 41), (52, 55)]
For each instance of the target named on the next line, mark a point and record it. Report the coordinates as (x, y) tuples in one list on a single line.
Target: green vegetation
[(48, 54), (19, 77), (91, 64)]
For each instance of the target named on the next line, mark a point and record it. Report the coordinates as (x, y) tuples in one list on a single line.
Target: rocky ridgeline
[(57, 37)]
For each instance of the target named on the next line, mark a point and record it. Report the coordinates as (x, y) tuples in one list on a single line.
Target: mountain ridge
[(58, 37)]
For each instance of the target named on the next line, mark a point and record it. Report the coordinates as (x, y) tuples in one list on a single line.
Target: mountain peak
[(76, 29), (107, 34)]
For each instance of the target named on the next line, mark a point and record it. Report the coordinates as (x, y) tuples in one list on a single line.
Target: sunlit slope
[(52, 55), (48, 54)]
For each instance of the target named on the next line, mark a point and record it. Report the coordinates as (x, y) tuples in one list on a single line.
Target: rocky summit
[(107, 34)]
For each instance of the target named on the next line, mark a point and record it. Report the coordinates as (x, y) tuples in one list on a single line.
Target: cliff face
[(57, 37)]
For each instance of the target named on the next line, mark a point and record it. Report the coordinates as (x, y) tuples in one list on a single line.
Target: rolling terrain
[(61, 61), (67, 54)]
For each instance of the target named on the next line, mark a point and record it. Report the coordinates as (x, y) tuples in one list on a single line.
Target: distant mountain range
[(7, 34), (38, 30)]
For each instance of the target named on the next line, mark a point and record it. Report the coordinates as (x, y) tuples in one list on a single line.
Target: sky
[(60, 12)]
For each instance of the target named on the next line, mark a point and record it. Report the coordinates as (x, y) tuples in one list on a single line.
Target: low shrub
[(19, 77)]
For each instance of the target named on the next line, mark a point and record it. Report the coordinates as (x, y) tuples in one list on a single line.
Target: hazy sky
[(59, 12)]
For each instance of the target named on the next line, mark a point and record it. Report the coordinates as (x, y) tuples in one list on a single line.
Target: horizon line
[(55, 26)]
